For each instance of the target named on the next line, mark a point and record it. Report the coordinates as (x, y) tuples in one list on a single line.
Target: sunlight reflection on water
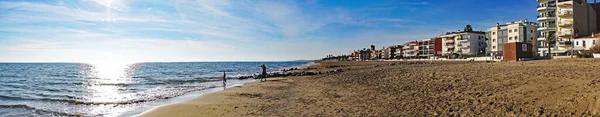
[(107, 85)]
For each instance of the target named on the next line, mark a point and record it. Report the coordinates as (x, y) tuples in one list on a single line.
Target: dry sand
[(567, 87)]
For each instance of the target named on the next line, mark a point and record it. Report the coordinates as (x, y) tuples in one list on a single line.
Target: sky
[(231, 30)]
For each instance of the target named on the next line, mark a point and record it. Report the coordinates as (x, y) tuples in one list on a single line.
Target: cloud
[(182, 30)]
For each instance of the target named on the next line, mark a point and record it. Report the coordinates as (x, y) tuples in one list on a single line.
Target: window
[(509, 31), (493, 33), (516, 37), (494, 40), (583, 43), (509, 38), (576, 42), (531, 31), (493, 47), (594, 42), (515, 30)]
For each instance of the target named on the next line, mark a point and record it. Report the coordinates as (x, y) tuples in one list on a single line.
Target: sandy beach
[(563, 87)]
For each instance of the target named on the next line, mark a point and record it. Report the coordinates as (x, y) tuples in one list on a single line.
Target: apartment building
[(519, 31), (390, 52), (463, 42), (564, 20), (399, 52), (410, 49), (430, 47)]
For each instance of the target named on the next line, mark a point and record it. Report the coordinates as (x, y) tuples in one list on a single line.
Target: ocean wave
[(150, 95), (38, 111)]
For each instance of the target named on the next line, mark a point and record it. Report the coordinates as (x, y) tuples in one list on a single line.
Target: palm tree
[(550, 38)]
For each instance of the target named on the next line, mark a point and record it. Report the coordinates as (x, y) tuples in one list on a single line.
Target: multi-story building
[(463, 42), (410, 50), (355, 55), (430, 47), (425, 48), (390, 52), (520, 31), (564, 20), (386, 54), (399, 52)]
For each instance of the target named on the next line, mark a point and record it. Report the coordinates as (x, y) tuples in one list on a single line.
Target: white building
[(520, 31), (585, 43), (464, 42), (410, 50)]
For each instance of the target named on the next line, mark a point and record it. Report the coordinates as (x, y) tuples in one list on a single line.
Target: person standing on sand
[(264, 73), (224, 80)]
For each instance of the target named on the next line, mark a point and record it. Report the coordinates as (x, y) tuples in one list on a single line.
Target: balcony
[(565, 43), (543, 8), (565, 33), (547, 28), (542, 38), (565, 13), (465, 47), (545, 17), (565, 23), (565, 3)]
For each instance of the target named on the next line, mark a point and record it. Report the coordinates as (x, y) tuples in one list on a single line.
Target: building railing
[(565, 12), (564, 0), (546, 5), (547, 15)]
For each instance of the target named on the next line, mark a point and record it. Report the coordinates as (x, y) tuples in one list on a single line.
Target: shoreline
[(199, 94), (186, 97), (200, 100)]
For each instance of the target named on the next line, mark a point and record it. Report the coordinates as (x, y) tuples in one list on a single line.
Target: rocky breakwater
[(308, 71)]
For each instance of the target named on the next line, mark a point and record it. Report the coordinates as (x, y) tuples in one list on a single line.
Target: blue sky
[(231, 30)]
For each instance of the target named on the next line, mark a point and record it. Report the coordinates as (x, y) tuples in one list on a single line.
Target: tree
[(595, 48), (468, 28), (550, 38)]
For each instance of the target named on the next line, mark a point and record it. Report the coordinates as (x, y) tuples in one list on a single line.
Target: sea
[(105, 89)]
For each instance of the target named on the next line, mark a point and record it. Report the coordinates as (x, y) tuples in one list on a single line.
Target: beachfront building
[(463, 42), (378, 54), (390, 52), (386, 53), (361, 55), (399, 52), (429, 48), (410, 50), (519, 31), (585, 43), (354, 55), (374, 53), (563, 20)]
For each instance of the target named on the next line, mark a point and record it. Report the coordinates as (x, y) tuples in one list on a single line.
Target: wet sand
[(564, 87)]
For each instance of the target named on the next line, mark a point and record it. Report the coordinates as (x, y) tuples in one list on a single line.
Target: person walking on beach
[(224, 80), (264, 73)]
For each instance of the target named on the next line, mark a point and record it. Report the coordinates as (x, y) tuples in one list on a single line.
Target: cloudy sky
[(231, 30)]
